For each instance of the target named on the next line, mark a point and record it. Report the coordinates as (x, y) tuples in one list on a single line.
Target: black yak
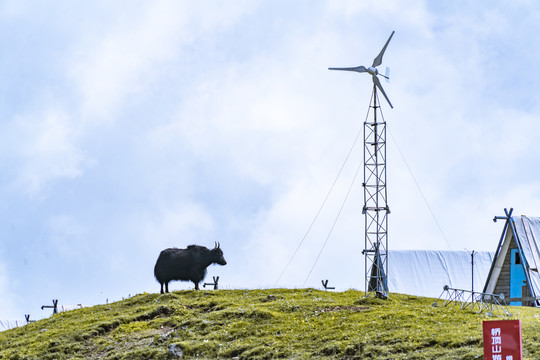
[(186, 264)]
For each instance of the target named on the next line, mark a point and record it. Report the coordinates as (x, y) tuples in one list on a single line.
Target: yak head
[(217, 255)]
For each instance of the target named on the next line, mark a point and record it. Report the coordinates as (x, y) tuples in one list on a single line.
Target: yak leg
[(161, 288), (166, 287), (196, 286)]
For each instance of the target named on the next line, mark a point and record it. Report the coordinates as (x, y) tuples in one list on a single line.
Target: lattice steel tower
[(375, 208)]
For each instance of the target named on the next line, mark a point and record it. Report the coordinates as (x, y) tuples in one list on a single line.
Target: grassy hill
[(261, 324)]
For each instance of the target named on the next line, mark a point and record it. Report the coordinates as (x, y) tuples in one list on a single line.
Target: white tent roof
[(425, 272)]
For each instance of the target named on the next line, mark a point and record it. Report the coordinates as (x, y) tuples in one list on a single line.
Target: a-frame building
[(515, 268)]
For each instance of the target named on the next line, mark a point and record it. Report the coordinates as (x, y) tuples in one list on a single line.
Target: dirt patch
[(164, 330)]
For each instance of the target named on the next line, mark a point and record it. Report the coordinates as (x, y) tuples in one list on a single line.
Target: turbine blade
[(378, 84), (359, 69), (378, 60)]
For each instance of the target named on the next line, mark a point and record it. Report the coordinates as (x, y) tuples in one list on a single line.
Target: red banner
[(502, 340)]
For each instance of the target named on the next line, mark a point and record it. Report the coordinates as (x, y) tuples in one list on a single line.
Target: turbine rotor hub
[(372, 70)]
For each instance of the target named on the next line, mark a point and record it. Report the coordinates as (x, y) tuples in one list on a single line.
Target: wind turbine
[(375, 208), (373, 70)]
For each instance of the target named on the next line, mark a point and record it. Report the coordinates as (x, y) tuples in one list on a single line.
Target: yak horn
[(218, 245)]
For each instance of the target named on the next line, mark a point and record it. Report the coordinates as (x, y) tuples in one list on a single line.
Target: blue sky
[(129, 127)]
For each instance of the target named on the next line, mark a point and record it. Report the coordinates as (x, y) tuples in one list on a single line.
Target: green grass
[(262, 324)]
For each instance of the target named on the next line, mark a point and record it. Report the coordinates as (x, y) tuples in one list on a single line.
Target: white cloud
[(68, 236), (46, 145), (178, 226), (8, 302), (124, 58)]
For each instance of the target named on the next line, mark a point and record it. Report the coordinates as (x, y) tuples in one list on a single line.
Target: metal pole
[(472, 272)]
